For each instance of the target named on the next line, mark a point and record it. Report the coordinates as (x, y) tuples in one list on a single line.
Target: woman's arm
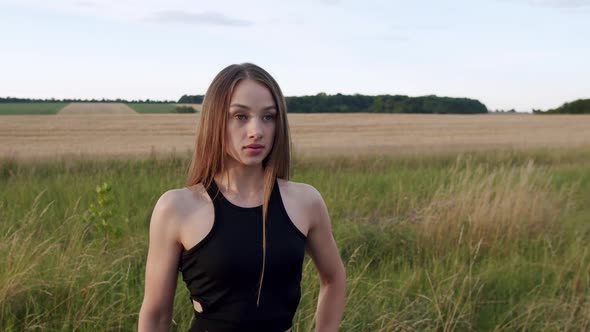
[(322, 249), (161, 267)]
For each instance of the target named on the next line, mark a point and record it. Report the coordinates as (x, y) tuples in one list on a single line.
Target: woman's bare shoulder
[(303, 193), (179, 202)]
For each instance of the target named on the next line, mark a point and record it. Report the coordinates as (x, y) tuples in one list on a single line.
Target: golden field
[(121, 133), (96, 108)]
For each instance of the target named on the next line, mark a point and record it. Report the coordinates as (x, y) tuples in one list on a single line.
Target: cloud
[(204, 18)]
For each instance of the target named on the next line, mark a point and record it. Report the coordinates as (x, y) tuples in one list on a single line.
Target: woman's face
[(251, 123)]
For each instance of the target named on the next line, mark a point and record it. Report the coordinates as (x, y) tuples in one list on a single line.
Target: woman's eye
[(240, 117), (269, 117)]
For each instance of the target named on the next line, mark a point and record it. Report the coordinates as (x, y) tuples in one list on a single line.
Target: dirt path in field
[(124, 135), (96, 108)]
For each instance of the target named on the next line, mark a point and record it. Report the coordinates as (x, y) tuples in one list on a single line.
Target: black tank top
[(222, 272)]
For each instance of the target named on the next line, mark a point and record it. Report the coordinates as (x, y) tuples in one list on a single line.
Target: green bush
[(184, 109)]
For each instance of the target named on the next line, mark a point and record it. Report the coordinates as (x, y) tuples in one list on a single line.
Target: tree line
[(74, 100), (580, 106), (187, 99), (339, 103)]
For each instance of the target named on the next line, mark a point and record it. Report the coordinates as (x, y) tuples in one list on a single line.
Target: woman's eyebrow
[(246, 107)]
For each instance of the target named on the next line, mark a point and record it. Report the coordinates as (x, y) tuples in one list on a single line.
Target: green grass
[(30, 108), (483, 242), (152, 108)]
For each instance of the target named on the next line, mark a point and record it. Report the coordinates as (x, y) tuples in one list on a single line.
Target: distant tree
[(187, 99), (340, 103), (580, 106)]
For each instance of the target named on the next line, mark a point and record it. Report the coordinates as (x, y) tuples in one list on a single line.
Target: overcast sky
[(520, 54)]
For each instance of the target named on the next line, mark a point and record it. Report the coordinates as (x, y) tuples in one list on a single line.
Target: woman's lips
[(254, 149)]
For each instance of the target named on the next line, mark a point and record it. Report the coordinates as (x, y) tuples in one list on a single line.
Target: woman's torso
[(221, 260), (196, 214)]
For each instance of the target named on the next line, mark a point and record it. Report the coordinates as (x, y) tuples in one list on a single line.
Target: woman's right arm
[(161, 269)]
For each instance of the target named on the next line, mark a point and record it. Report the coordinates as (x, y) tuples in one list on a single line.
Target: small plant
[(100, 214)]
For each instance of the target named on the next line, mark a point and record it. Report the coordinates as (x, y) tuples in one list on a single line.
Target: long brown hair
[(210, 150)]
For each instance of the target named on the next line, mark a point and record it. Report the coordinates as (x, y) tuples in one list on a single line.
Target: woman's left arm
[(322, 249)]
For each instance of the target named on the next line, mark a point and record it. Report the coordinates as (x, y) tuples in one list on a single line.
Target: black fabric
[(222, 271)]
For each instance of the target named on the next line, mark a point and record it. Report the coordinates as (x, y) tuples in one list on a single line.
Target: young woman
[(239, 229)]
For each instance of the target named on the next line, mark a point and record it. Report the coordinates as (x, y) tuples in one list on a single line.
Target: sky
[(508, 54)]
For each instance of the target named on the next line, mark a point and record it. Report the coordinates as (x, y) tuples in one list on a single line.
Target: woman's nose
[(255, 128)]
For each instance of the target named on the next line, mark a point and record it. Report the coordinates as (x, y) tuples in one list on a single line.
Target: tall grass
[(483, 205), (474, 242)]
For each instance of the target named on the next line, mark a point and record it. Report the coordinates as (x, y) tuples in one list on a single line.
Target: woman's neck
[(241, 181)]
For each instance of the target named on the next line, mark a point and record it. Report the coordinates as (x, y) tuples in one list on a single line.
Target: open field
[(489, 241), (197, 107), (30, 108), (152, 108), (30, 137), (88, 107), (434, 237), (96, 109), (160, 108)]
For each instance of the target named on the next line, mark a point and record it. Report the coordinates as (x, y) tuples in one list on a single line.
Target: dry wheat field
[(96, 108), (117, 133)]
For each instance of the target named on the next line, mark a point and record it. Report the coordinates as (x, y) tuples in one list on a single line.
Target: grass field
[(152, 108), (87, 107), (139, 135), (156, 108), (30, 108), (495, 241)]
